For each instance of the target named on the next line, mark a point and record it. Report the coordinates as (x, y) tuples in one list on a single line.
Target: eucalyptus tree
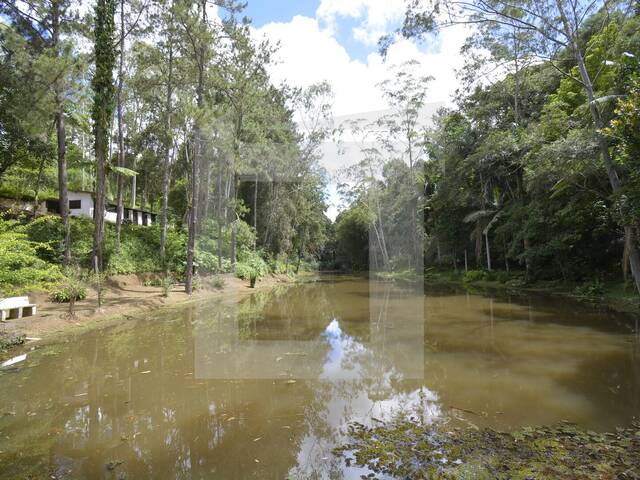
[(103, 104), (129, 24), (558, 29), (201, 39), (402, 135), (244, 85)]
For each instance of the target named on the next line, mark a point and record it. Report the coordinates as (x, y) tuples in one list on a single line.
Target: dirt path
[(126, 295)]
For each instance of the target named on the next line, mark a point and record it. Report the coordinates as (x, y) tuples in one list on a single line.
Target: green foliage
[(21, 267), (592, 289), (218, 282), (139, 249), (68, 289), (474, 276), (207, 263), (167, 283), (251, 266), (8, 341)]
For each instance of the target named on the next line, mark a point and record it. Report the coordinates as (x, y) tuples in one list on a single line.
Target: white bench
[(16, 307)]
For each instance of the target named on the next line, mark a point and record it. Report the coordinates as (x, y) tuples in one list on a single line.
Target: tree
[(558, 26), (49, 27), (103, 99)]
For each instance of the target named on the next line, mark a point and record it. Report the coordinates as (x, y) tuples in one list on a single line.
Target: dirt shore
[(124, 296)]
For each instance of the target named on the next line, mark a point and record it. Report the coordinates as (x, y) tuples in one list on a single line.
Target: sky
[(336, 41)]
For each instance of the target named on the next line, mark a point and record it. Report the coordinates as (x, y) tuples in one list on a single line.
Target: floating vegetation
[(410, 450), (8, 341)]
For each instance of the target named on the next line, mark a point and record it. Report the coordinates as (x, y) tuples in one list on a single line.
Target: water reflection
[(265, 389)]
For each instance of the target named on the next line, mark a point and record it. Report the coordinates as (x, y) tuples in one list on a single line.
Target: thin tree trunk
[(134, 184), (99, 202), (193, 213), (219, 211), (466, 261), (195, 162), (167, 153), (486, 239), (255, 210), (234, 225), (63, 194)]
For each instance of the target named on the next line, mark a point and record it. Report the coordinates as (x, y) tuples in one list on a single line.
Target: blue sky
[(263, 12), (266, 11)]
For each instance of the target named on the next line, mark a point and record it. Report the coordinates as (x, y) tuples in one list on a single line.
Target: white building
[(81, 204)]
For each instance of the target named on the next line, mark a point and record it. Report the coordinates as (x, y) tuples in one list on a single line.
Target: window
[(53, 206), (75, 204)]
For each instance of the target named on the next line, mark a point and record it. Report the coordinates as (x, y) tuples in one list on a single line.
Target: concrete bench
[(16, 307)]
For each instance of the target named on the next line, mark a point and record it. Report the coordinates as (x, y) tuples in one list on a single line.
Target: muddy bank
[(124, 296)]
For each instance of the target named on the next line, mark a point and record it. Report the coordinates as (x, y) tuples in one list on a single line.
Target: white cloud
[(375, 16), (310, 52)]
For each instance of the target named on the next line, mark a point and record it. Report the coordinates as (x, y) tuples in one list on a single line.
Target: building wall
[(85, 209)]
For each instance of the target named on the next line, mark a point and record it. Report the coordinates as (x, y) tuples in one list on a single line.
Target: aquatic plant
[(407, 449)]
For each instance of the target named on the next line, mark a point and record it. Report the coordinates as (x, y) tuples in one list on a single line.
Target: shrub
[(502, 277), (64, 292), (594, 288), (250, 264), (167, 284), (218, 282), (21, 267), (473, 276), (208, 263), (139, 247)]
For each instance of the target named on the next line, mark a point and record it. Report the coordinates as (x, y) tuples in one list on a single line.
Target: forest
[(530, 175), (163, 107)]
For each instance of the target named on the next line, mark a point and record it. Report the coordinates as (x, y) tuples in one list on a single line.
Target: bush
[(251, 265), (208, 263), (21, 267), (502, 277), (473, 276), (139, 247), (63, 293), (218, 282), (167, 284), (594, 288)]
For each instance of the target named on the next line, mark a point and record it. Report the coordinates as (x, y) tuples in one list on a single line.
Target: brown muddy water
[(264, 389)]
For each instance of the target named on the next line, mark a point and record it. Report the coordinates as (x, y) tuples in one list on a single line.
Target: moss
[(409, 450)]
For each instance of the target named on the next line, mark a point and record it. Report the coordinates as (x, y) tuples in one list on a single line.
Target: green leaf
[(125, 172)]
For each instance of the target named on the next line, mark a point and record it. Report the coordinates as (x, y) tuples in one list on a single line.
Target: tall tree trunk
[(119, 178), (195, 161), (102, 110), (486, 239), (193, 213), (168, 142), (219, 211), (255, 209), (63, 194), (234, 224), (134, 184)]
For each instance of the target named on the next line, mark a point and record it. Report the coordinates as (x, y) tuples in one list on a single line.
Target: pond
[(264, 388)]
